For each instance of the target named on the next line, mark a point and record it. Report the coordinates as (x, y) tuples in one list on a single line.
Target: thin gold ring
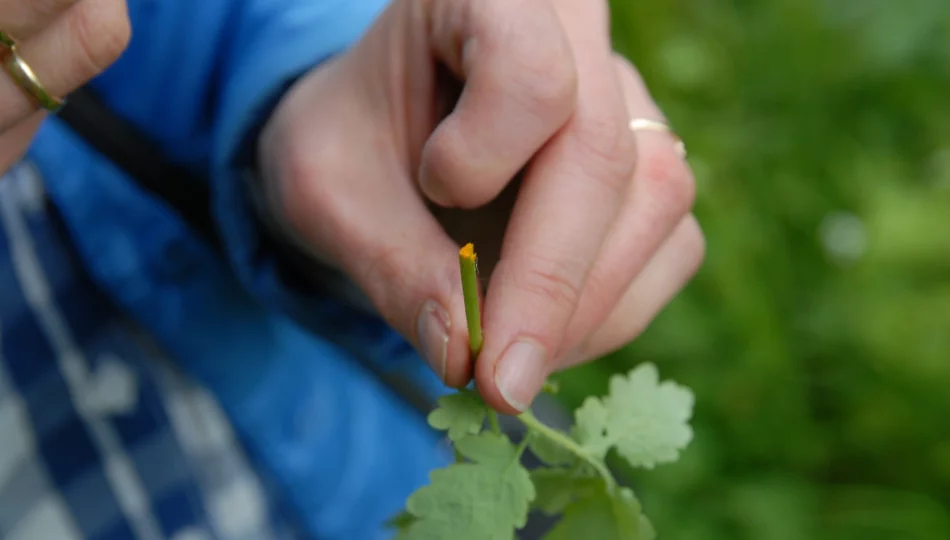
[(6, 41), (645, 124), (26, 78)]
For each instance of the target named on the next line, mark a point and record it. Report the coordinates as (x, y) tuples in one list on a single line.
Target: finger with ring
[(41, 69)]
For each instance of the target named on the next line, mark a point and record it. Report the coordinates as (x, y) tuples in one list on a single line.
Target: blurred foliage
[(817, 335)]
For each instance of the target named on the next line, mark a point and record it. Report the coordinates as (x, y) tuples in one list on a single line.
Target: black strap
[(126, 146), (186, 192)]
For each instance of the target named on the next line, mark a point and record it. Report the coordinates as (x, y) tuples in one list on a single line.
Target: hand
[(386, 158), (65, 43)]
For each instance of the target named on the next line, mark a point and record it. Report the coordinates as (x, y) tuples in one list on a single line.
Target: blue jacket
[(343, 450)]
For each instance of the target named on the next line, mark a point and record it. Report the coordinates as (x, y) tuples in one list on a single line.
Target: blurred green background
[(817, 335)]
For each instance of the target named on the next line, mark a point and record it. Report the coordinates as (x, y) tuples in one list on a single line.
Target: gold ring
[(23, 75), (6, 41), (645, 124)]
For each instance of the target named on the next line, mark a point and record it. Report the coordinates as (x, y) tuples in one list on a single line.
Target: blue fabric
[(341, 449), (102, 439)]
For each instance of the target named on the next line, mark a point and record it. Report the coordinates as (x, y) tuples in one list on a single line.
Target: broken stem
[(468, 263)]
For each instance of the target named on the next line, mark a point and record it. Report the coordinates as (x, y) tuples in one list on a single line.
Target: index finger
[(519, 76), (568, 201)]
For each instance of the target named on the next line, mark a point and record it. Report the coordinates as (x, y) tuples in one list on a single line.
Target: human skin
[(506, 123), (66, 43)]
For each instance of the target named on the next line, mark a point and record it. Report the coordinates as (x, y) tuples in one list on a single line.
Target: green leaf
[(645, 420), (590, 427), (557, 488), (401, 523), (548, 451), (604, 516), (487, 499), (462, 413), (488, 448)]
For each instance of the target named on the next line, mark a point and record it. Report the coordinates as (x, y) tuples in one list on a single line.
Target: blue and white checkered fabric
[(100, 438)]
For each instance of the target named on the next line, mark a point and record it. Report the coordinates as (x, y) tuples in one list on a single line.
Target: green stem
[(518, 452), (531, 422), (468, 263), (469, 267), (493, 420), (521, 447)]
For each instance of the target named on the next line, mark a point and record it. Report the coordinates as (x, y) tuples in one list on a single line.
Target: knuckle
[(536, 59), (603, 286), (301, 194), (453, 175), (670, 179), (548, 82), (554, 282), (441, 154), (609, 147), (446, 165), (103, 31)]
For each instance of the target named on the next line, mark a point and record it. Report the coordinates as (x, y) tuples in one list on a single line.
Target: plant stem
[(493, 420), (469, 266), (531, 422), (522, 446), (468, 263)]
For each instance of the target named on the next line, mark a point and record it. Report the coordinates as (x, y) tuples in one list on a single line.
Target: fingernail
[(433, 327), (520, 373)]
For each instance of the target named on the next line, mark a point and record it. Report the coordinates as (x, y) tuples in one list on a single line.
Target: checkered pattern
[(101, 438)]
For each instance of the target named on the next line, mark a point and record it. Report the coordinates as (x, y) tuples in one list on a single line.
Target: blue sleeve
[(274, 42), (197, 77), (215, 70), (271, 44)]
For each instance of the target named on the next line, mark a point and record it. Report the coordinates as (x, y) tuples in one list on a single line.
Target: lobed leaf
[(604, 516), (462, 413), (557, 488), (486, 499), (645, 420)]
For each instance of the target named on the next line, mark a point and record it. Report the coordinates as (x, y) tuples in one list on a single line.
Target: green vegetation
[(817, 336), (488, 493)]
